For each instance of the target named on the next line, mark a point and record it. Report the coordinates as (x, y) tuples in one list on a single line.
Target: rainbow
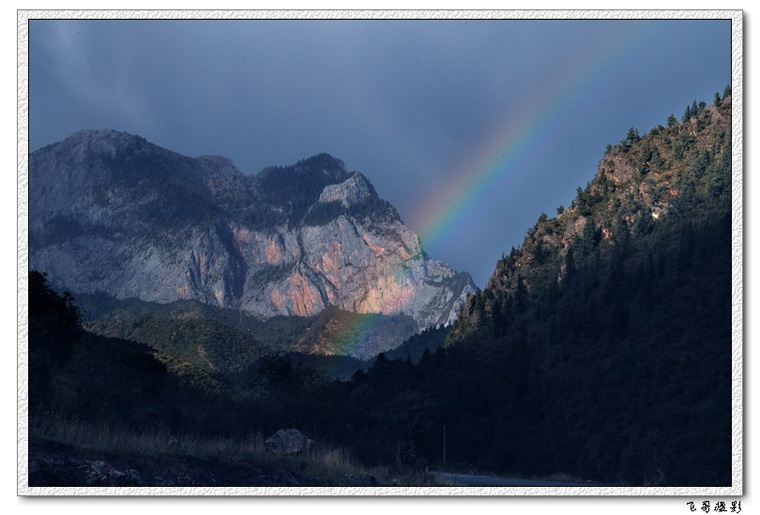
[(488, 171)]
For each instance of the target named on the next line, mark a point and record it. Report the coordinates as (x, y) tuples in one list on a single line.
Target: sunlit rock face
[(110, 212)]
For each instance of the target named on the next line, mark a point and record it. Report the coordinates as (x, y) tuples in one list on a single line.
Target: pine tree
[(686, 115), (521, 297), (569, 275)]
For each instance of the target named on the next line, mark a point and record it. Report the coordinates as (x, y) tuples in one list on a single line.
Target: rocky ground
[(53, 464)]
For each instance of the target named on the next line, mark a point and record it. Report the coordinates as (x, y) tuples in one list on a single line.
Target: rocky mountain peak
[(321, 167), (217, 162), (97, 138), (110, 212), (324, 163), (103, 144), (350, 192)]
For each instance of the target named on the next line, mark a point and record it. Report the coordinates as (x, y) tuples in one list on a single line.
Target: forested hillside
[(601, 347)]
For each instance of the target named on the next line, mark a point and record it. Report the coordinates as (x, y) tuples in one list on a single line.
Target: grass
[(112, 437), (321, 463)]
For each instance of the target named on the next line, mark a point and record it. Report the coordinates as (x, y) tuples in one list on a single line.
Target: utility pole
[(444, 444)]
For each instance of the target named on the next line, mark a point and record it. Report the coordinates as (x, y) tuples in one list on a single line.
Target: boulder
[(288, 441)]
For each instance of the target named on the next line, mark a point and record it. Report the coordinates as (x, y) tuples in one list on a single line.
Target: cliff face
[(110, 212)]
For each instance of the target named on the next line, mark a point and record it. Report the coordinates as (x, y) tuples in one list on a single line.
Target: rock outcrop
[(288, 441), (110, 212)]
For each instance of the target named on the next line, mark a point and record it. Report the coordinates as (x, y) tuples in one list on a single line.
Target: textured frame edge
[(737, 120)]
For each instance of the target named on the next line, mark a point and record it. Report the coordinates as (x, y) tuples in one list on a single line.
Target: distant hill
[(228, 340)]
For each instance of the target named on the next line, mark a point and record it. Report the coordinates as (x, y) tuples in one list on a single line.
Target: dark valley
[(209, 309)]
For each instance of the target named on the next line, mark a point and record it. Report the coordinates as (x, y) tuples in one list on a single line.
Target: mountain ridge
[(111, 212), (682, 169)]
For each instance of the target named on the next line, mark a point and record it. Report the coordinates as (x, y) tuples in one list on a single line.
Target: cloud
[(94, 75), (405, 102)]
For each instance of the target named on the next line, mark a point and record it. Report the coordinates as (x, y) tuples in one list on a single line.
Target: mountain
[(112, 213), (674, 178), (602, 346), (600, 350)]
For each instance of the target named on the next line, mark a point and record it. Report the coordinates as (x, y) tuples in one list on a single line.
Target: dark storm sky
[(470, 128)]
